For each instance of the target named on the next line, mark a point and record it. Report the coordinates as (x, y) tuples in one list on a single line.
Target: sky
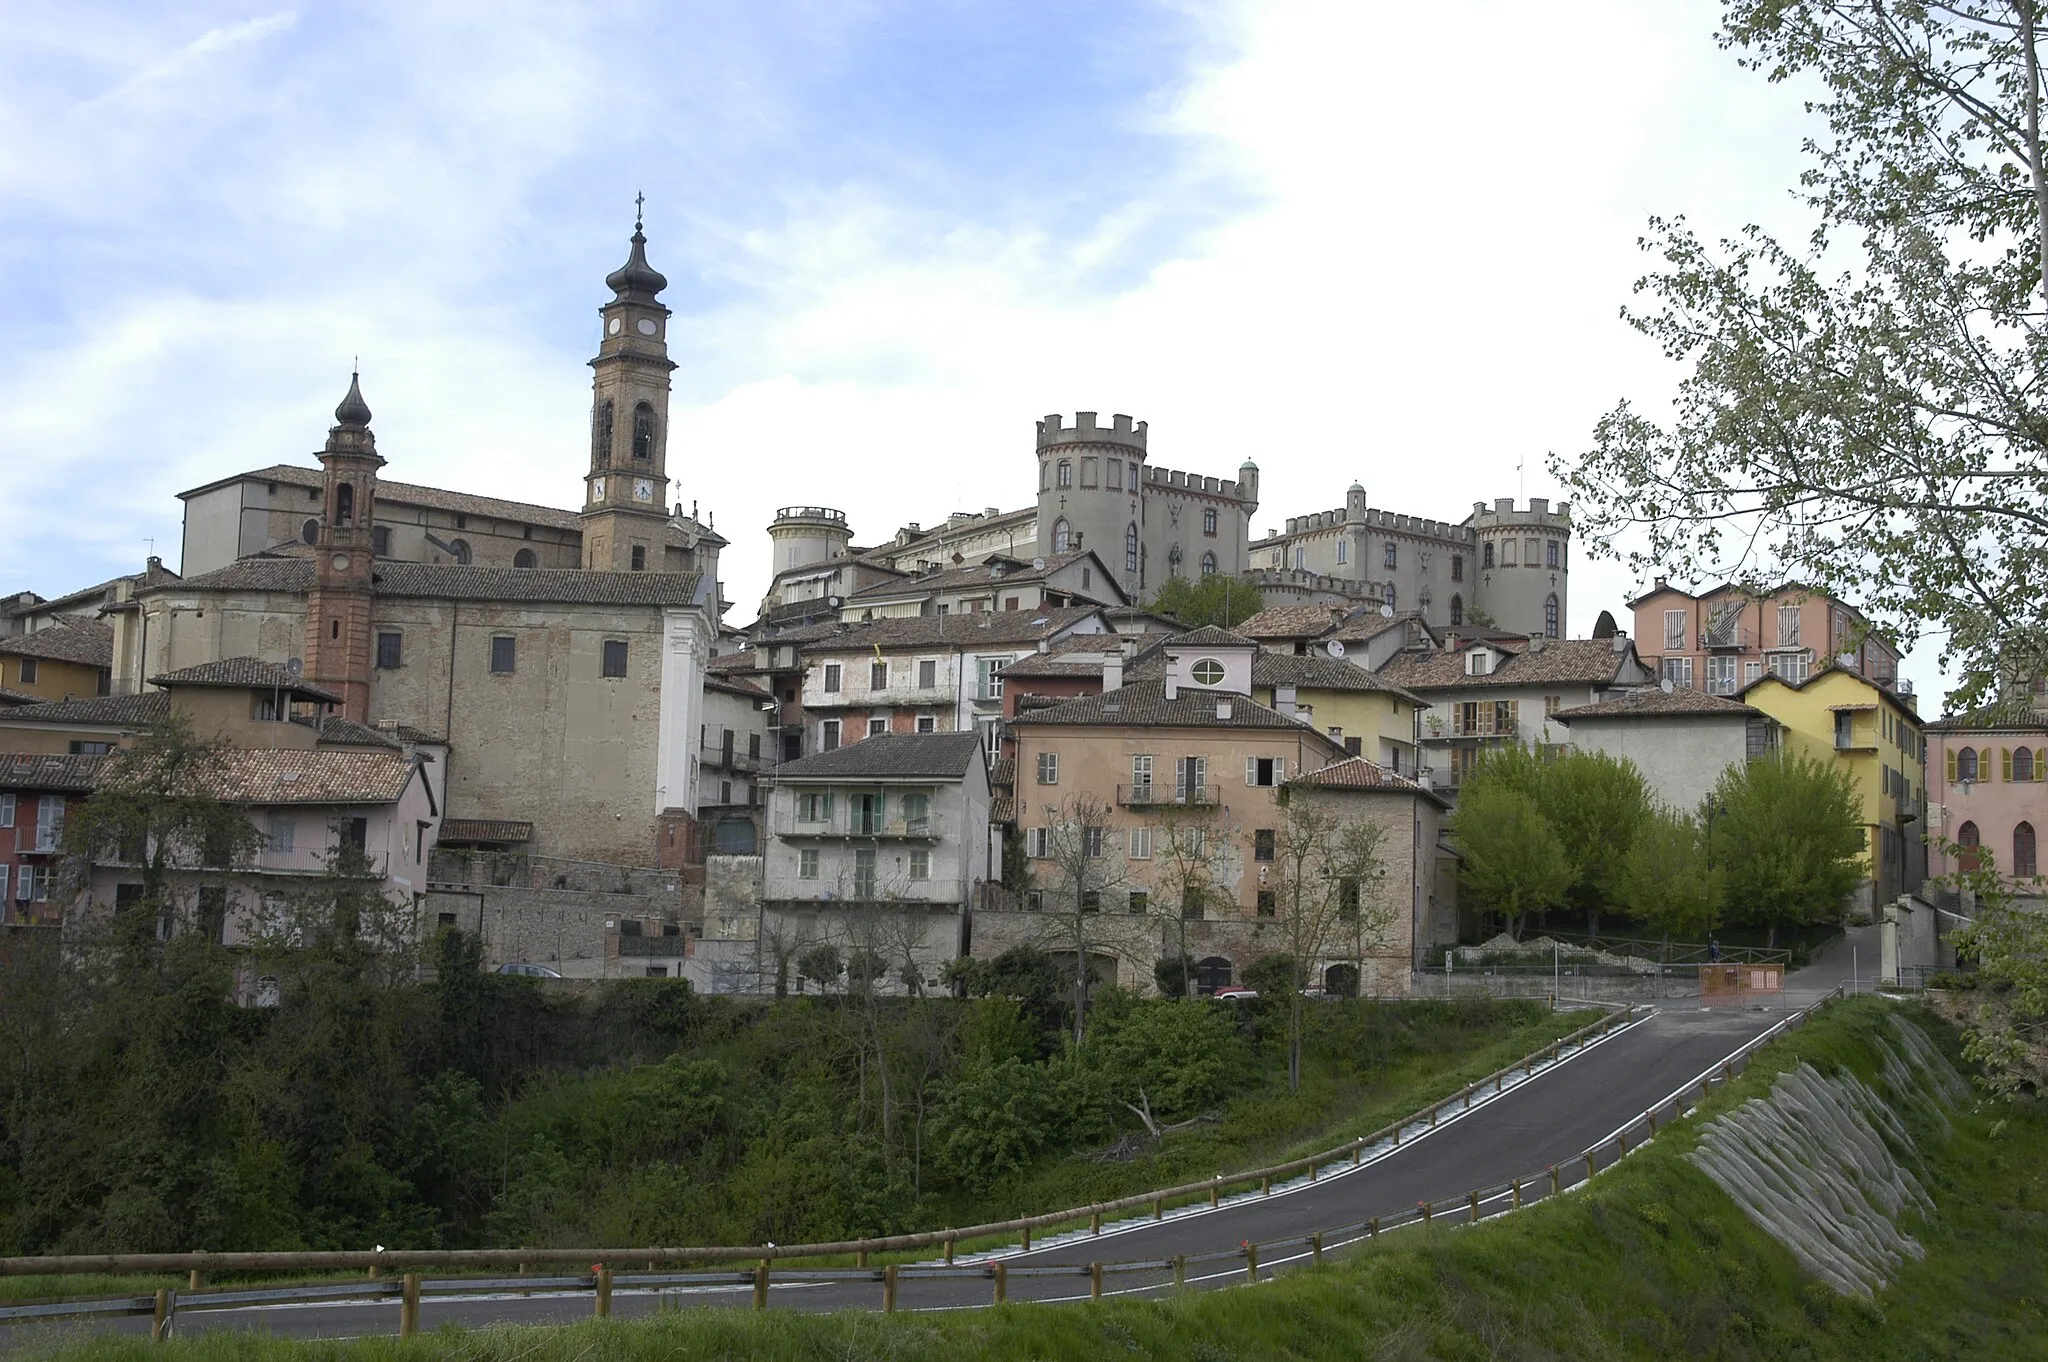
[(1351, 241)]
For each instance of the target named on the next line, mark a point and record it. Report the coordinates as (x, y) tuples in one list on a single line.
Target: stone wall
[(573, 930)]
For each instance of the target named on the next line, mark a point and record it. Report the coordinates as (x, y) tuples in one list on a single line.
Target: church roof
[(88, 643), (452, 582), (636, 281), (353, 411), (411, 494)]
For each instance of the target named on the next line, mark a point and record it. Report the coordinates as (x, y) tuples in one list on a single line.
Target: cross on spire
[(638, 201)]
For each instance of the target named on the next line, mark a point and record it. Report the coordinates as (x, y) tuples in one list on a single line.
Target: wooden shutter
[(1251, 770), (1951, 766), (2005, 764)]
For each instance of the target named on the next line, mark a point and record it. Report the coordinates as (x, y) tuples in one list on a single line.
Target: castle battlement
[(1379, 520), (1354, 588), (1196, 483), (1503, 513), (1053, 432)]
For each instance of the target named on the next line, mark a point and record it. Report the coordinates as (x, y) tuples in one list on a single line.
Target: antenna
[(1386, 612), (1038, 565), (1335, 647), (1666, 686)]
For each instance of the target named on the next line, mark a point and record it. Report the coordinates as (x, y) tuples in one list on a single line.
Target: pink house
[(1721, 640), (1987, 778)]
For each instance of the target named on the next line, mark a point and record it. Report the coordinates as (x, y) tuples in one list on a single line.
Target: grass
[(1652, 1261)]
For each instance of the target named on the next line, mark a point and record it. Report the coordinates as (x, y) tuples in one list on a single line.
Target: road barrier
[(410, 1289)]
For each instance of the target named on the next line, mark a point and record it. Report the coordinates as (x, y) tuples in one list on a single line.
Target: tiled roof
[(732, 687), (986, 629), (740, 661), (1293, 621), (1651, 701), (88, 643), (2012, 713), (1143, 704), (251, 673), (1076, 655), (19, 697), (281, 775), (340, 732), (1904, 702), (19, 772), (995, 569), (99, 711), (1361, 773), (449, 581), (410, 494), (1209, 636), (407, 733), (485, 830), (1311, 672), (1002, 772), (1557, 662), (935, 755)]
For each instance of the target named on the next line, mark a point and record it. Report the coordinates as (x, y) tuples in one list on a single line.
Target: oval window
[(1208, 672)]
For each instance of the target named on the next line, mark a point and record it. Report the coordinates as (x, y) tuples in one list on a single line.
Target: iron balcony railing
[(1145, 796)]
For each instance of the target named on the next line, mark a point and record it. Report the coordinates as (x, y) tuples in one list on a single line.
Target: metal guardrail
[(410, 1287)]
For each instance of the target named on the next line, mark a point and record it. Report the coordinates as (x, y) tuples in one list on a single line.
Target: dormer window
[(1479, 662), (1207, 672)]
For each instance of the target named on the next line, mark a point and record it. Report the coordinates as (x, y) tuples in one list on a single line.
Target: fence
[(1571, 984), (410, 1288)]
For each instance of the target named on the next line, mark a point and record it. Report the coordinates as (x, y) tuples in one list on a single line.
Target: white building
[(1681, 741)]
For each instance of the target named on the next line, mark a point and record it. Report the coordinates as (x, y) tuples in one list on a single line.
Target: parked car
[(531, 971), (1235, 993)]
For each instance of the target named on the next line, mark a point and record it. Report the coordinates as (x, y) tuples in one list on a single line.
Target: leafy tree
[(820, 964), (1666, 881), (2006, 1028), (1174, 1061), (1174, 975), (1790, 842), (1513, 862), (1862, 412), (1219, 598), (1598, 805)]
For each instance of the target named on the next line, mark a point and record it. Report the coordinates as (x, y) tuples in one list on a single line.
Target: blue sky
[(1348, 240)]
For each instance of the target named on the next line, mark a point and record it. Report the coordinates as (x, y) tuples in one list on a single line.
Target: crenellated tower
[(1524, 564), (338, 642), (625, 504), (1091, 492)]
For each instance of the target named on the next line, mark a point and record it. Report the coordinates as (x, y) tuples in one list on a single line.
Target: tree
[(1597, 805), (1084, 862), (1218, 598), (1666, 880), (2007, 1029), (1322, 864), (1790, 842), (1512, 860), (1191, 854), (1861, 413)]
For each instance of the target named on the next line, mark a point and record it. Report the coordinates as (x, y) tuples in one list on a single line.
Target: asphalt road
[(1548, 1120)]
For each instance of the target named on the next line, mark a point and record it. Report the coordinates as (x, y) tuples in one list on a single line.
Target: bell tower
[(625, 502), (338, 644)]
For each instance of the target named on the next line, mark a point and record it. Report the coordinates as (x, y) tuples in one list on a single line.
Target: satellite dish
[(295, 668), (1038, 565), (1666, 686), (1386, 612), (1335, 647)]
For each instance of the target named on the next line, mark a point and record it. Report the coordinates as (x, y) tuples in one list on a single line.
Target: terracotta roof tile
[(31, 772), (332, 728), (99, 711), (1144, 705), (19, 697), (1651, 701), (449, 581), (1361, 773), (1558, 661), (281, 775), (1311, 672), (251, 673), (984, 573), (411, 494), (88, 643), (937, 755), (1292, 621), (485, 830), (986, 629)]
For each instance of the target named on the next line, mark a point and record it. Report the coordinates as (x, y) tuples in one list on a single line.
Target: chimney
[(1112, 673), (1172, 686), (1223, 709)]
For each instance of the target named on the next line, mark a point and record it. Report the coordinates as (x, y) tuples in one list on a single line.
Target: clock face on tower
[(614, 326), (643, 489), (647, 326)]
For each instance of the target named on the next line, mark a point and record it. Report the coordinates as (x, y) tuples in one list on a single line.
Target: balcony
[(1733, 635), (845, 826), (1148, 796)]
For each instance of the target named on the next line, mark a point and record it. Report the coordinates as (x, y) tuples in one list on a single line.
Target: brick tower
[(338, 642), (625, 502)]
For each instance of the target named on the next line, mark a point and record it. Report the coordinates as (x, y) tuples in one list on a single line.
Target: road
[(1548, 1120)]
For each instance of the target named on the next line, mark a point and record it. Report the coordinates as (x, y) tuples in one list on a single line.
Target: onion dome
[(353, 411), (636, 281)]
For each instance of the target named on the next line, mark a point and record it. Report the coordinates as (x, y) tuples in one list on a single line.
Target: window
[(1088, 472), (878, 676), (1347, 898), (1392, 555), (814, 807), (1208, 520), (1678, 671), (1141, 776), (1140, 901), (1131, 547), (920, 864), (1048, 768), (614, 657), (927, 674), (1752, 671), (1457, 567), (6, 810), (1115, 481), (1550, 553), (1300, 559), (213, 912), (877, 727), (1091, 900), (828, 736), (1389, 593), (1191, 902), (601, 435), (917, 813), (49, 822), (504, 654), (1845, 736), (639, 558), (1207, 672), (1267, 771), (1721, 675), (1507, 553), (81, 747), (927, 723), (310, 532), (1191, 778), (1486, 559), (1062, 535), (991, 736), (281, 832), (1791, 668), (831, 678), (991, 672), (380, 542), (1141, 844), (1262, 844), (1268, 903), (525, 559), (2023, 852), (461, 551), (864, 873), (1091, 843), (643, 431), (1355, 747), (1788, 626), (1674, 630), (390, 648), (1550, 616), (1343, 550), (2023, 763), (1064, 475), (1966, 763), (1038, 843), (29, 668), (1208, 565)]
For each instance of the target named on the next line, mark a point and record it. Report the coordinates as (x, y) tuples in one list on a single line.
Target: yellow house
[(1874, 733), (1347, 704), (65, 661)]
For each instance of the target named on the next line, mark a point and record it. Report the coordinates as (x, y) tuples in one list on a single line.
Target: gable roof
[(454, 582), (283, 775), (87, 643), (1208, 636), (1362, 773), (1143, 704), (1309, 671), (1652, 702), (408, 494), (244, 673), (1898, 699), (98, 711), (1076, 655), (19, 697), (35, 772), (340, 732), (998, 569), (983, 629), (1545, 662), (908, 755)]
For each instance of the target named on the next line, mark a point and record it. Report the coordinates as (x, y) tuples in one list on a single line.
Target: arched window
[(1062, 535), (1131, 547), (1486, 558), (1457, 609), (345, 504), (1212, 974), (1966, 839), (1066, 474), (525, 559), (1208, 565), (2023, 763), (1966, 764), (1550, 616), (2023, 852), (643, 431), (310, 532), (461, 548), (733, 835), (1391, 601), (639, 558), (601, 435), (380, 541)]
